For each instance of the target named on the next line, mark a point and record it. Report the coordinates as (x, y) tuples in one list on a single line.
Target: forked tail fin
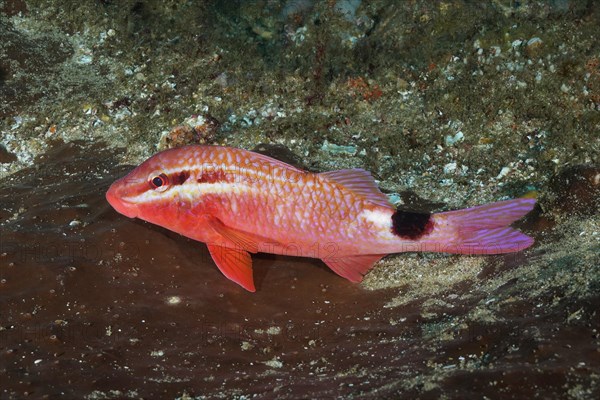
[(485, 229)]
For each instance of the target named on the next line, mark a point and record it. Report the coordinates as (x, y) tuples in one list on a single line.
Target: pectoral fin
[(235, 264), (244, 240), (353, 268)]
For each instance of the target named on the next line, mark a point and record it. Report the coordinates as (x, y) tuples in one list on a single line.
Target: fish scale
[(239, 202)]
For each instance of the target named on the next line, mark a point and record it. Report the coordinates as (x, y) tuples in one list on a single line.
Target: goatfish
[(240, 202)]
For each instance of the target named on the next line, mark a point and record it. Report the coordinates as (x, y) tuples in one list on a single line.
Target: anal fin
[(235, 264), (353, 267)]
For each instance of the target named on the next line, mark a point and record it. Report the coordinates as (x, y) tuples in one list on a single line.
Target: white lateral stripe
[(192, 190)]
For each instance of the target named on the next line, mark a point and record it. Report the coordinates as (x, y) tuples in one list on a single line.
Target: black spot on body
[(180, 178), (411, 225)]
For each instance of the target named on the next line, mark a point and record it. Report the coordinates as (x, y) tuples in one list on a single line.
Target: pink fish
[(239, 202)]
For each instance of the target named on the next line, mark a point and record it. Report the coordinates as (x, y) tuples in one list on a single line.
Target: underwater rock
[(534, 46), (6, 156), (296, 7), (337, 149), (347, 8), (576, 189), (14, 7), (281, 153), (201, 129), (27, 64)]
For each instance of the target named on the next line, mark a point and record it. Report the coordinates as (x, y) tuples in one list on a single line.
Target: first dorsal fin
[(360, 182), (263, 158)]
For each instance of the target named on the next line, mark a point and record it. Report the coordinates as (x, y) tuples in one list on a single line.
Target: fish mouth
[(121, 205)]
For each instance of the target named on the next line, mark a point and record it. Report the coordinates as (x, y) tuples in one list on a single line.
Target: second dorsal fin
[(360, 182)]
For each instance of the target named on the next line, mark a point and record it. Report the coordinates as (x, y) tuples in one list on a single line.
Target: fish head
[(148, 191)]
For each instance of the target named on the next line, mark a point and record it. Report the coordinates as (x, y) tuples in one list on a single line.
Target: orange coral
[(360, 87), (183, 135), (592, 67)]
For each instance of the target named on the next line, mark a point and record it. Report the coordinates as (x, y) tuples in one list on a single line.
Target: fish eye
[(159, 182)]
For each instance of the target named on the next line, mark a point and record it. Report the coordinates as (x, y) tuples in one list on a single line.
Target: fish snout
[(116, 195)]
